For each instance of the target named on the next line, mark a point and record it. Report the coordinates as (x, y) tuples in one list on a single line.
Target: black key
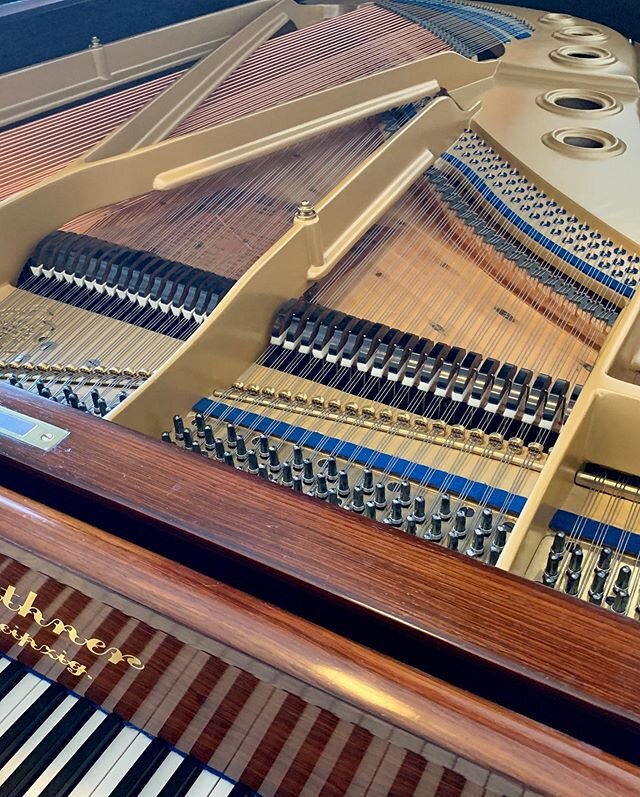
[(241, 791), (10, 676), (142, 771), (182, 779), (48, 749), (83, 759), (15, 736)]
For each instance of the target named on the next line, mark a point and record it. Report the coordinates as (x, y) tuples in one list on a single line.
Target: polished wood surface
[(492, 737), (482, 628)]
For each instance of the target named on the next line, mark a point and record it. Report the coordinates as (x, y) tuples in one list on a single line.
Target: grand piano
[(319, 387)]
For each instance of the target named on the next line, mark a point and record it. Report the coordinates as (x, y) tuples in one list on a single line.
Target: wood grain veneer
[(499, 740), (495, 626)]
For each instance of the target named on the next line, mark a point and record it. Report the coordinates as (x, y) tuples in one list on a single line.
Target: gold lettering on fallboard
[(9, 599)]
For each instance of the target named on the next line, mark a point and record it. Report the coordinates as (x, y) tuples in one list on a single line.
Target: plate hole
[(579, 103), (583, 142), (582, 54), (393, 486)]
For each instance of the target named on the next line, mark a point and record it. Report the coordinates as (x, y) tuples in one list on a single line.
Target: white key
[(203, 785), (23, 694), (112, 765), (162, 775), (222, 788), (65, 755), (43, 730)]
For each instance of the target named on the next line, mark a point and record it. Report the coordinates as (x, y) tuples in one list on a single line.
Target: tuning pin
[(218, 445), (321, 487), (241, 449), (405, 494), (551, 573), (435, 530), (122, 395), (331, 470), (620, 598), (252, 462), (370, 510), (411, 526), (200, 424), (187, 439), (82, 407), (344, 491), (486, 522), (274, 460), (209, 442), (298, 459), (445, 508), (195, 447), (499, 541), (596, 590), (40, 388), (332, 497), (395, 518), (357, 503), (263, 446), (575, 562), (558, 544), (604, 560), (102, 404), (232, 435), (73, 400), (380, 499), (13, 381), (419, 509), (262, 471), (166, 437), (178, 427), (287, 474), (307, 476), (460, 524), (453, 540), (297, 484), (228, 459), (95, 394), (367, 481), (476, 549), (66, 390)]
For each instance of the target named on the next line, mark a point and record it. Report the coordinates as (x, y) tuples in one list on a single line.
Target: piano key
[(18, 700), (142, 770), (30, 744), (162, 775), (289, 751), (10, 673), (182, 779), (45, 745), (78, 757), (24, 726), (113, 764), (204, 785)]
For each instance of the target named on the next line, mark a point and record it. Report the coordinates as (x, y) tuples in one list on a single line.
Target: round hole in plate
[(582, 56), (556, 18), (322, 462), (580, 33), (584, 142), (579, 102), (393, 487)]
